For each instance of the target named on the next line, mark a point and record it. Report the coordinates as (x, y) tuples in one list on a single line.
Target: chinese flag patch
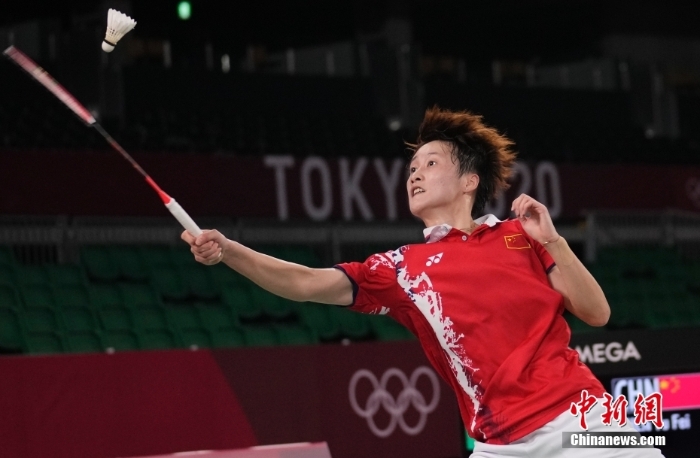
[(516, 242)]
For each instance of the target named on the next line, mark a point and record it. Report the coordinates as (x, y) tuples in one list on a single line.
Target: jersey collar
[(436, 233)]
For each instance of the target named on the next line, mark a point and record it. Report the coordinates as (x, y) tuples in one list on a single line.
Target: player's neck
[(457, 218)]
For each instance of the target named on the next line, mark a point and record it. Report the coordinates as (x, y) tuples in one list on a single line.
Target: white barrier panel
[(298, 450)]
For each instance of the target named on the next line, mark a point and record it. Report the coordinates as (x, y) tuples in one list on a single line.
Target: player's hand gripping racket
[(64, 96)]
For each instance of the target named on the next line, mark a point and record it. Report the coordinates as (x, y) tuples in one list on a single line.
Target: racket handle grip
[(181, 215)]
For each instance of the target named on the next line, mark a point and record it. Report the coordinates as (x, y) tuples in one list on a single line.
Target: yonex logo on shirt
[(434, 259), (516, 242)]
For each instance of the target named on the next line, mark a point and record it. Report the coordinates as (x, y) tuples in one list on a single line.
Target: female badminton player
[(484, 297)]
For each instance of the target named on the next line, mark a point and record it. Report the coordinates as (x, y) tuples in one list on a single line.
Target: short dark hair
[(479, 149)]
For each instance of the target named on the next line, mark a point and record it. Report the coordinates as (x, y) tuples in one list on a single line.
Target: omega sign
[(611, 352), (396, 407)]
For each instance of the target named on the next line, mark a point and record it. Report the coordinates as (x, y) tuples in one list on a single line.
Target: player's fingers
[(526, 207), (535, 206), (207, 235), (211, 251), (209, 260), (517, 206), (205, 246), (514, 205), (525, 204), (204, 250), (520, 208), (187, 237)]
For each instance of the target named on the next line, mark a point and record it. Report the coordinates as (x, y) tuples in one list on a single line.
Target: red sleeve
[(542, 253), (374, 284)]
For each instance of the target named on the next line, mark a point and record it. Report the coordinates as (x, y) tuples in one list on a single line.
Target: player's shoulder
[(392, 257), (508, 225)]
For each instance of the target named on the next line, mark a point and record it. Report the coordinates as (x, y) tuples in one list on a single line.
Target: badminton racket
[(46, 80)]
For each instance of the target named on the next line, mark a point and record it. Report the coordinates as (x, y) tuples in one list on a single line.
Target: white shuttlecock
[(118, 25)]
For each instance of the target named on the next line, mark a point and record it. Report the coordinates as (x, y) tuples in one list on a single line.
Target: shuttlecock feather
[(118, 25)]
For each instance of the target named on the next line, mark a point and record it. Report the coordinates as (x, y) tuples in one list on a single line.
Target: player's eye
[(412, 169), (431, 163)]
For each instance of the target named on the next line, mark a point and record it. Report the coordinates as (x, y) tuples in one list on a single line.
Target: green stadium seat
[(98, 263), (227, 337), (8, 275), (259, 336), (139, 295), (149, 318), (6, 257), (32, 276), (41, 319), (693, 277), (158, 340), (239, 300), (686, 309), (672, 289), (352, 324), (215, 317), (195, 338), (44, 342), (223, 276), (129, 263), (119, 340), (273, 306), (78, 296), (301, 255), (317, 318), (115, 319), (609, 256), (103, 295), (660, 316), (663, 257), (156, 256), (169, 283), (619, 313), (78, 319), (199, 281), (83, 342), (10, 329), (604, 273), (66, 275), (9, 296), (38, 296), (183, 317), (290, 334), (182, 256), (387, 329)]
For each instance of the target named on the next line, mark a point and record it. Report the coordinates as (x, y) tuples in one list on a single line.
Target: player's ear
[(470, 182)]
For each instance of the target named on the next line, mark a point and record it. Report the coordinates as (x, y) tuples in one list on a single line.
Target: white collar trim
[(436, 233)]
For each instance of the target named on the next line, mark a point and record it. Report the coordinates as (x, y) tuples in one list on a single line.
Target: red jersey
[(488, 320)]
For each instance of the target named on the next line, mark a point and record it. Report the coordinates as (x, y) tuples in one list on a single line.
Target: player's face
[(433, 181)]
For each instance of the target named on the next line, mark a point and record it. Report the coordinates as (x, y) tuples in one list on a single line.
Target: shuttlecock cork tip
[(118, 25)]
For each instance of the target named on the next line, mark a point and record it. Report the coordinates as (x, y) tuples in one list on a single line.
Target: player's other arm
[(583, 296), (286, 279)]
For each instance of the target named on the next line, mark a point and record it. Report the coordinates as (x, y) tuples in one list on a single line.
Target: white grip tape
[(182, 216)]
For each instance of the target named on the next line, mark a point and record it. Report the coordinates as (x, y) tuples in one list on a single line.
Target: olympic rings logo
[(396, 408)]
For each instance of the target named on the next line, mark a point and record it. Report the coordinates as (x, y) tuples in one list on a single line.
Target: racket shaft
[(46, 80), (181, 215)]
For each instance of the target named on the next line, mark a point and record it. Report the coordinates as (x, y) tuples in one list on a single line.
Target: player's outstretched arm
[(286, 279)]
